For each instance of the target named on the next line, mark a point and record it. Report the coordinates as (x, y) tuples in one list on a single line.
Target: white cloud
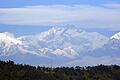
[(105, 16), (115, 6)]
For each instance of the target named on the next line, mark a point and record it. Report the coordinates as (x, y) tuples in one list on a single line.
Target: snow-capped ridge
[(9, 38), (68, 51), (68, 41), (50, 33), (116, 36)]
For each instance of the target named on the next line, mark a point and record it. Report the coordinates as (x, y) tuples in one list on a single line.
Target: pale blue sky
[(33, 29), (20, 3)]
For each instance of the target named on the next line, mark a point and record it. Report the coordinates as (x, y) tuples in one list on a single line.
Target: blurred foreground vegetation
[(11, 71)]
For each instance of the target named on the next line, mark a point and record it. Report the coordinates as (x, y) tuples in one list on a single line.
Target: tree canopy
[(11, 71)]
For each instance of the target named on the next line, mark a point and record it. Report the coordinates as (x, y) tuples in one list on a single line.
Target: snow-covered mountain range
[(66, 45)]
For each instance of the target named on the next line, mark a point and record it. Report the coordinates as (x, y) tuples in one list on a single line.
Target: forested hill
[(11, 71)]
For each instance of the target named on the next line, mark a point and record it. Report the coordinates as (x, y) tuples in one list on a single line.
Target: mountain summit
[(59, 41), (9, 39), (62, 44), (116, 36)]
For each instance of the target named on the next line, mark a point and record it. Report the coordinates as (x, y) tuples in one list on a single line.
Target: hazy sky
[(33, 16)]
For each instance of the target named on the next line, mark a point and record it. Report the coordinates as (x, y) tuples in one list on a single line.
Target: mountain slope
[(107, 54), (8, 43), (116, 36), (59, 41), (61, 45)]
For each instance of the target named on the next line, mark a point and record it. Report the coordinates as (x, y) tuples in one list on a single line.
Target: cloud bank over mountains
[(87, 16), (69, 45)]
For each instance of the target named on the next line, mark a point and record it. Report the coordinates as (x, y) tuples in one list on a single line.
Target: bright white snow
[(59, 41), (116, 36)]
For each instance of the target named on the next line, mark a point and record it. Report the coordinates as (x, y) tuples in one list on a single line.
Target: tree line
[(11, 71)]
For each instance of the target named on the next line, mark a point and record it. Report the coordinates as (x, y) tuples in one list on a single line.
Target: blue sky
[(9, 9), (20, 3)]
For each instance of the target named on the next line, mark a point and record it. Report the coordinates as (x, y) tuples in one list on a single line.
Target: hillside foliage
[(11, 71)]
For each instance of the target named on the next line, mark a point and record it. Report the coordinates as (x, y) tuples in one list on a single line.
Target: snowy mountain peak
[(60, 41), (9, 38), (55, 30), (116, 36), (50, 33)]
